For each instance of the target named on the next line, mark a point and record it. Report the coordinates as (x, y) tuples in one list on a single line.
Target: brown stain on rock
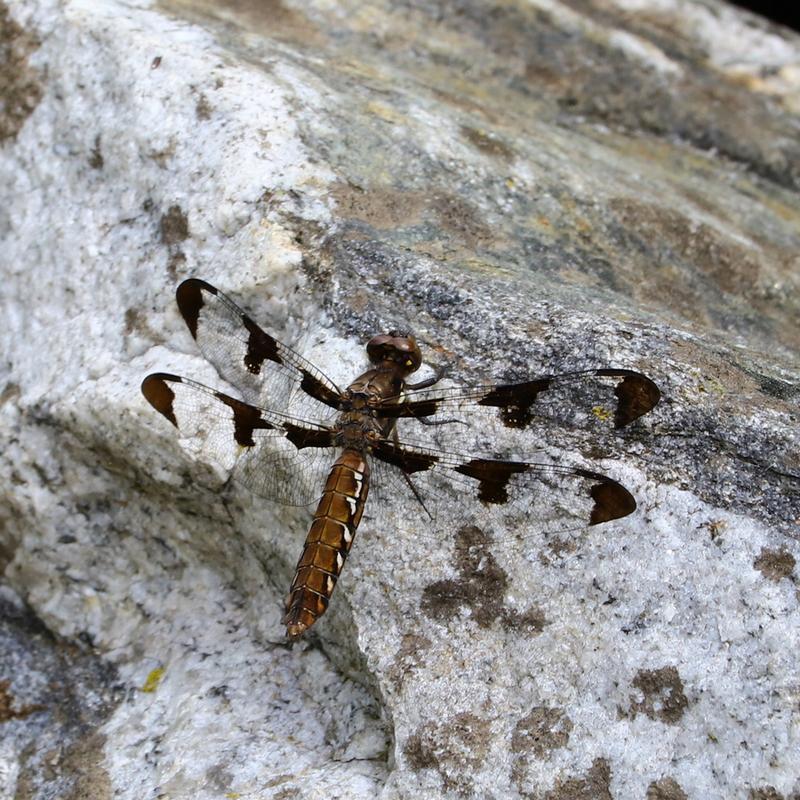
[(442, 217), (726, 376), (381, 207), (80, 762), (543, 730), (536, 735), (8, 711), (20, 88), (174, 226), (270, 18), (176, 264), (733, 385), (135, 322), (488, 143), (10, 392), (665, 789), (388, 208), (96, 156), (481, 586), (461, 220), (202, 108), (454, 747), (594, 785), (408, 658), (663, 697), (769, 793), (703, 274), (775, 564), (85, 759), (672, 236)]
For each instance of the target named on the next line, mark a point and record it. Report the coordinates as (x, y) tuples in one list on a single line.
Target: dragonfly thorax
[(356, 430)]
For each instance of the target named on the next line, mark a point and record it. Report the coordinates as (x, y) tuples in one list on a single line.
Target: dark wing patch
[(406, 459), (246, 420), (302, 437), (261, 347), (636, 395), (266, 371), (275, 456), (492, 475), (611, 499), (534, 497), (514, 400), (618, 394), (189, 296), (156, 390)]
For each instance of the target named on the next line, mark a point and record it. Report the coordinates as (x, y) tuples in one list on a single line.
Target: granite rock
[(532, 187)]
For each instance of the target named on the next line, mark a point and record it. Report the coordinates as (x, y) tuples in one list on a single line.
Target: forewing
[(613, 396), (445, 490), (276, 456), (267, 372)]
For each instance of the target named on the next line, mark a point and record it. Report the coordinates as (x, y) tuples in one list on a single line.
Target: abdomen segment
[(328, 542)]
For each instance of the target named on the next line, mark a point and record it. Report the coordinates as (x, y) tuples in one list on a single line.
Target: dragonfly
[(293, 436)]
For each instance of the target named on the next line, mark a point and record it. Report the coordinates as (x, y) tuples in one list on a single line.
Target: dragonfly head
[(397, 347)]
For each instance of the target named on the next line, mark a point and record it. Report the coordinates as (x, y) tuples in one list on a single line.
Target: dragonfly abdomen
[(328, 542)]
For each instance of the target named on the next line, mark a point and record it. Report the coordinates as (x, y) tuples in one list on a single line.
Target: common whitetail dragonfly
[(281, 438)]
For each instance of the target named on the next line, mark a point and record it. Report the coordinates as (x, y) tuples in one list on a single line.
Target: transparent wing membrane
[(265, 371), (276, 456)]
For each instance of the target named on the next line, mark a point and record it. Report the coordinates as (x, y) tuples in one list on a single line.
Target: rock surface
[(533, 188)]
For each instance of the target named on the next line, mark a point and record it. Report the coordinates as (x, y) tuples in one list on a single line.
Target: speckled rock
[(532, 187)]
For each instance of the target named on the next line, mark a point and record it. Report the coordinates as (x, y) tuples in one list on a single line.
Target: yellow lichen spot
[(153, 679), (233, 795), (601, 413), (510, 183), (712, 386)]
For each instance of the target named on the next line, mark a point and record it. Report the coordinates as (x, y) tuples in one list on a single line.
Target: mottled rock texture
[(532, 187)]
